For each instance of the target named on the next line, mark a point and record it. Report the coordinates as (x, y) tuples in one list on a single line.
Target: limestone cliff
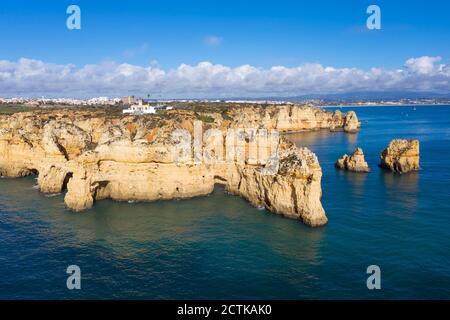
[(288, 118), (401, 156), (97, 156)]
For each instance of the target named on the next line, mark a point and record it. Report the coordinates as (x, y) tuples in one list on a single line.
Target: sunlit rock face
[(95, 155), (351, 122), (401, 156), (356, 162)]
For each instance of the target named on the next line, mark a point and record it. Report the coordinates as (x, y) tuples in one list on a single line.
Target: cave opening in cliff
[(67, 178), (220, 184), (101, 190)]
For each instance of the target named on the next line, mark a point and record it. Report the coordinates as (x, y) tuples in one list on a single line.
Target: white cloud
[(27, 77), (213, 41), (424, 65)]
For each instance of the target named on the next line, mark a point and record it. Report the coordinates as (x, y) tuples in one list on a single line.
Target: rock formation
[(355, 162), (401, 156), (96, 155), (291, 118), (351, 123)]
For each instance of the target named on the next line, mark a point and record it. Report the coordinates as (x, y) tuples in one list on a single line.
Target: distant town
[(131, 100)]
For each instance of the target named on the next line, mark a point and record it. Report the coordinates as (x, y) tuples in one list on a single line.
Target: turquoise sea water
[(219, 246)]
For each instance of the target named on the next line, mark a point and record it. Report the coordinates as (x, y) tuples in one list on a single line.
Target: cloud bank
[(28, 77)]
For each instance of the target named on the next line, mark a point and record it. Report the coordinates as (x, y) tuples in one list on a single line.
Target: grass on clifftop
[(204, 118), (12, 108)]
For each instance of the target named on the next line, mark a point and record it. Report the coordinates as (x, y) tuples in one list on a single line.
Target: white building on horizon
[(140, 109)]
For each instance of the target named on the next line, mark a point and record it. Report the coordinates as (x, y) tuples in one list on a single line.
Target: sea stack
[(401, 156), (351, 122), (355, 162)]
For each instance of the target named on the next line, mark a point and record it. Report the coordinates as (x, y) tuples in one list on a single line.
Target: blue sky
[(232, 33)]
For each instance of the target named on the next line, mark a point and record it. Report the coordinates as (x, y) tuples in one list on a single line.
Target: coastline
[(95, 155), (212, 240), (385, 105)]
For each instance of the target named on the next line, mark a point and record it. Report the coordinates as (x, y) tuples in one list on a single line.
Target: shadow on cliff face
[(219, 181), (101, 191), (67, 178)]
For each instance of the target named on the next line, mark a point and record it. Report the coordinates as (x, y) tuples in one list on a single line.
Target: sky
[(196, 48)]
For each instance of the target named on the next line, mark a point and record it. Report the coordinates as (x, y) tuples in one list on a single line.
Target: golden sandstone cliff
[(175, 155)]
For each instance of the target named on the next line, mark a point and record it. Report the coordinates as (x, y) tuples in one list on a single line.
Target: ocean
[(220, 247)]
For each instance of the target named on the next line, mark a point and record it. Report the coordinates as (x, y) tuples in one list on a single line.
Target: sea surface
[(220, 247)]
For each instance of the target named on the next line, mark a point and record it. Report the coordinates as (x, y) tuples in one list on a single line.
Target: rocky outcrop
[(288, 118), (96, 156), (401, 156), (293, 190), (355, 162), (351, 122)]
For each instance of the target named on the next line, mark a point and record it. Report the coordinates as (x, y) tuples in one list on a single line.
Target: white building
[(140, 109), (163, 107)]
